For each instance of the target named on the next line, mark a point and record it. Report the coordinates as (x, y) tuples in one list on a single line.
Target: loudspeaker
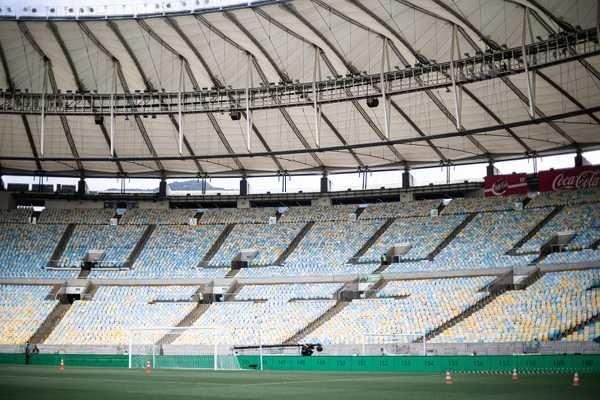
[(98, 119), (372, 102), (235, 115)]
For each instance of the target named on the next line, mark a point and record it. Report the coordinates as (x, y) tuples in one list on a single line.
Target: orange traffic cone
[(576, 379), (148, 368), (62, 365), (515, 376), (448, 378)]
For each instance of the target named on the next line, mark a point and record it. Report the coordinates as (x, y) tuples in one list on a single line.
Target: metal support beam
[(112, 109), (179, 115), (316, 106), (382, 86), (456, 89), (248, 102), (43, 113), (530, 76)]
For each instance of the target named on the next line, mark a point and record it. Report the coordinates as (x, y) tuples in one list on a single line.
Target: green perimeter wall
[(420, 364)]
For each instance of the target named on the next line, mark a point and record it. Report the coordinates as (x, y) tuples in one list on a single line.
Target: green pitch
[(31, 382)]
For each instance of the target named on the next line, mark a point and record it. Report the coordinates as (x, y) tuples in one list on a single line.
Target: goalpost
[(395, 344), (202, 348)]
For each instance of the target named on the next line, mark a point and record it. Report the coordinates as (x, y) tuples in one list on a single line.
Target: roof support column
[(244, 187), (43, 113), (530, 75), (162, 189), (81, 187), (407, 178), (386, 107), (491, 169), (580, 160), (316, 107), (1, 184), (325, 183), (456, 89)]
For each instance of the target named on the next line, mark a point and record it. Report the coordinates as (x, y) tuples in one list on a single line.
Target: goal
[(180, 347), (395, 344)]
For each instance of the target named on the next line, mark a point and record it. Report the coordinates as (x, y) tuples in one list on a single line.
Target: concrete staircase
[(311, 327), (51, 322), (61, 245), (232, 272), (534, 230), (451, 236), (376, 287), (187, 321), (84, 273), (232, 291), (294, 243), (367, 245), (139, 246), (215, 246)]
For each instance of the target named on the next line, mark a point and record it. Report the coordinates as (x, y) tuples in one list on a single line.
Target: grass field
[(32, 382)]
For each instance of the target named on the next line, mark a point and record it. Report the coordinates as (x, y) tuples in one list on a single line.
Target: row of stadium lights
[(92, 10)]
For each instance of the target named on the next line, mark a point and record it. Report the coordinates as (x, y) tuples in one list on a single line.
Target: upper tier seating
[(269, 240), (399, 209), (237, 215), (481, 204), (105, 320), (583, 219), (423, 233), (158, 217), (554, 303), (249, 323), (585, 255), (172, 252), (16, 216), (285, 293), (23, 308), (425, 304), (117, 241), (25, 250), (552, 199), (82, 216), (320, 213), (482, 243)]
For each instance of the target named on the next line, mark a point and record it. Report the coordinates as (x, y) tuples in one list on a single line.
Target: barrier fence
[(569, 363)]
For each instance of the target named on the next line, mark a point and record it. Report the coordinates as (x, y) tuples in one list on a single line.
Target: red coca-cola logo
[(584, 180), (500, 187)]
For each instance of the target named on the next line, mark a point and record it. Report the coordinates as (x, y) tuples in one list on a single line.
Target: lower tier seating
[(105, 320), (554, 303), (418, 307), (23, 308)]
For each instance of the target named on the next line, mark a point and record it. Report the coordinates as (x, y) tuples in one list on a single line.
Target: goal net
[(396, 344), (180, 347)]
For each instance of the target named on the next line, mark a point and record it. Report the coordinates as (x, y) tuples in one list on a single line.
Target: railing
[(489, 65)]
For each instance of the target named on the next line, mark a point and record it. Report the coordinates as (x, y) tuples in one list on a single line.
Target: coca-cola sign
[(562, 180), (505, 185)]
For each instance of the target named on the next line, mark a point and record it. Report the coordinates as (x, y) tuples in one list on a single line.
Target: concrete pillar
[(580, 160), (81, 187), (244, 187), (407, 178), (491, 170), (162, 189), (324, 183)]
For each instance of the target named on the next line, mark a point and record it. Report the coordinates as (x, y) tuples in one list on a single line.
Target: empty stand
[(62, 244), (293, 244), (139, 246), (535, 230), (372, 240), (216, 245)]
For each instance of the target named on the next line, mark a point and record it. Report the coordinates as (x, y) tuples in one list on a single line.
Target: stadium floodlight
[(193, 347), (394, 344)]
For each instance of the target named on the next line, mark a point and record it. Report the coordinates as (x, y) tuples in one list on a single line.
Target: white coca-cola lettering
[(500, 187), (583, 180)]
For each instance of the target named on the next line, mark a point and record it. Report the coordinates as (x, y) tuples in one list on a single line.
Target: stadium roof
[(456, 84)]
